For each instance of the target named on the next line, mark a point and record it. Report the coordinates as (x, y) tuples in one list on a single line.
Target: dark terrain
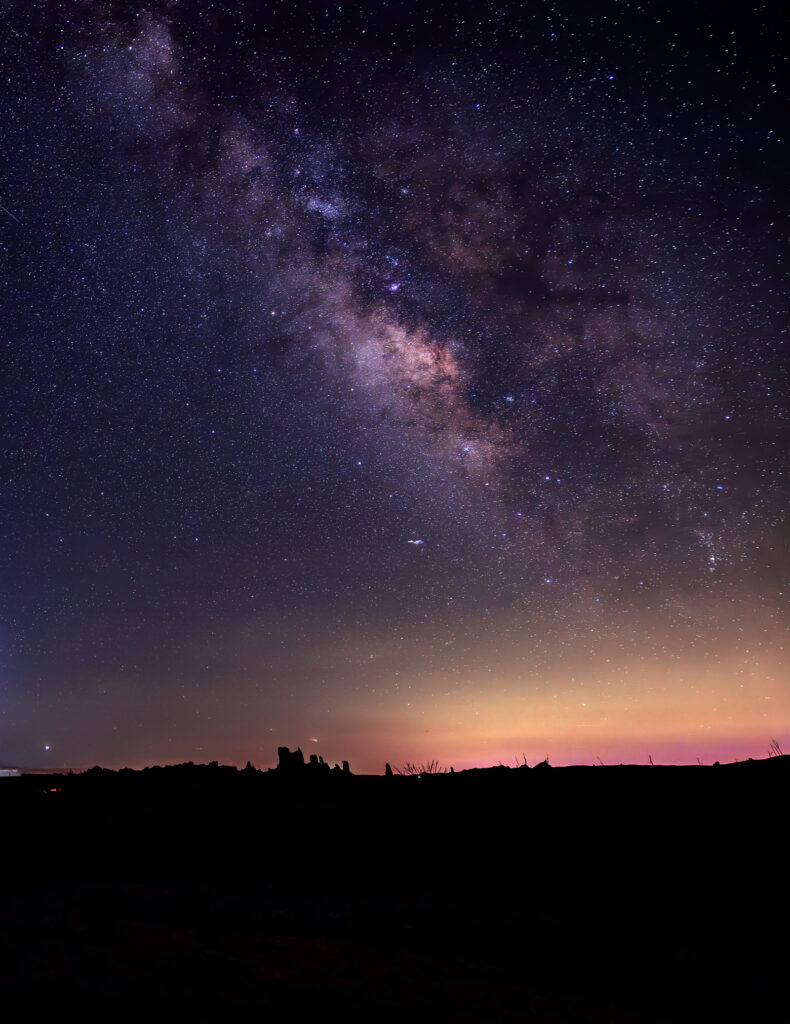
[(606, 894)]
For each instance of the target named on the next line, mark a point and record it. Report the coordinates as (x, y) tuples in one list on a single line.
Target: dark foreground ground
[(616, 894)]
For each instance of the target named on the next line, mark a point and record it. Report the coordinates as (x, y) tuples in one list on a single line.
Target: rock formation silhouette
[(290, 762)]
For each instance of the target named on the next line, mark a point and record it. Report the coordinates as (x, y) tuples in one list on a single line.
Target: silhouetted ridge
[(665, 866)]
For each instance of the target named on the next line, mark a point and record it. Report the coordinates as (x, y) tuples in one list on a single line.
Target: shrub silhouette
[(428, 768)]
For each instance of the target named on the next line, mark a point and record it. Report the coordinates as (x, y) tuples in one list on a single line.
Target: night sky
[(397, 380)]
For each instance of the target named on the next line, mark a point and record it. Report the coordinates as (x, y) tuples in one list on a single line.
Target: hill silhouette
[(622, 893)]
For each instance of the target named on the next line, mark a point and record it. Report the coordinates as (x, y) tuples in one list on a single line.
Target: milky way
[(394, 378)]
